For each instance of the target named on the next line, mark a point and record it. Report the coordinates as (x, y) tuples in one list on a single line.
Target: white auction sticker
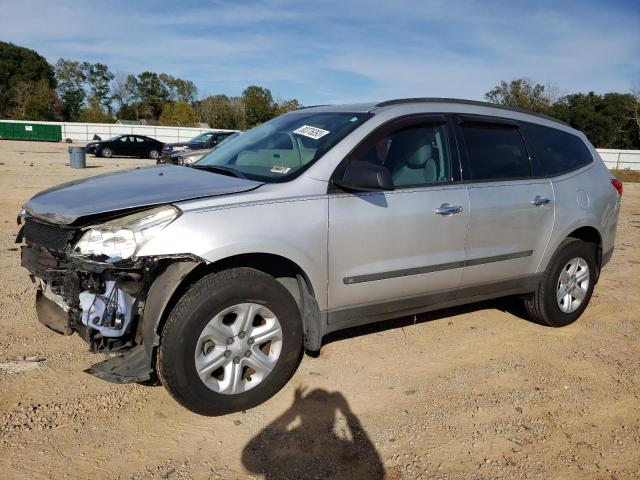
[(311, 132), (279, 169)]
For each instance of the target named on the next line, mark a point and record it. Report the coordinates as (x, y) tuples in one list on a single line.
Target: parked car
[(126, 145), (215, 278), (207, 140), (189, 157)]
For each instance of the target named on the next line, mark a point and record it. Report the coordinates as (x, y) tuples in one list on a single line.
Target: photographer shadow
[(317, 437)]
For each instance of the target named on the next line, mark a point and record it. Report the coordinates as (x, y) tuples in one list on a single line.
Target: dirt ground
[(468, 393)]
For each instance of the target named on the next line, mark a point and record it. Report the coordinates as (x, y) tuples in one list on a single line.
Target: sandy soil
[(473, 393)]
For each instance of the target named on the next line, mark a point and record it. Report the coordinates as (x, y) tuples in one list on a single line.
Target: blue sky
[(333, 51)]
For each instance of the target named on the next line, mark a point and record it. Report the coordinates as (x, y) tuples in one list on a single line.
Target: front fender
[(295, 229)]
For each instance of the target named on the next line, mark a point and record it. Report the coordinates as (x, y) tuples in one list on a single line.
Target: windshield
[(283, 147), (203, 137)]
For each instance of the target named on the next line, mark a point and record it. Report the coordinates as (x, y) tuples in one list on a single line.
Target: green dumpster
[(30, 131)]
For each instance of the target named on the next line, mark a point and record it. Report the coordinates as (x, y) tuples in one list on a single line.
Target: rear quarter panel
[(584, 198)]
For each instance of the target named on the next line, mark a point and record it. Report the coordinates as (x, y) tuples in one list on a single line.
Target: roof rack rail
[(400, 101), (312, 106)]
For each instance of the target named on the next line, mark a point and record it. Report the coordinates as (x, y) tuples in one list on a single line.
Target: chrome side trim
[(372, 277)]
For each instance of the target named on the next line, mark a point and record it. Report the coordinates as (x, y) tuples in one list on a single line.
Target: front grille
[(46, 236)]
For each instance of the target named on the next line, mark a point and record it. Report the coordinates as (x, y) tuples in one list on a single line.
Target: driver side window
[(415, 155)]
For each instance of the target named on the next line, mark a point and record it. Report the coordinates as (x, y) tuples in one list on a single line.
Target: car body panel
[(504, 223), (388, 245), (127, 189), (294, 228), (600, 212)]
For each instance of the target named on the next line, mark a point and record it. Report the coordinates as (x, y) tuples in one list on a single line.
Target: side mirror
[(365, 177)]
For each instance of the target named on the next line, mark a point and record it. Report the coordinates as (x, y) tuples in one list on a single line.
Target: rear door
[(140, 146), (397, 250), (512, 212)]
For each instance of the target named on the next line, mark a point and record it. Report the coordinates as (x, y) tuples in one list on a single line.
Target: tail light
[(617, 184)]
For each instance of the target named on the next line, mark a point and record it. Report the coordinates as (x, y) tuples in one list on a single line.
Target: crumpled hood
[(140, 187)]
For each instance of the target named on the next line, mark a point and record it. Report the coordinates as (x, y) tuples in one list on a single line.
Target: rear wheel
[(106, 152), (231, 342), (566, 286)]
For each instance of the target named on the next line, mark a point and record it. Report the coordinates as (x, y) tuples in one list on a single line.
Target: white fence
[(84, 132), (620, 159)]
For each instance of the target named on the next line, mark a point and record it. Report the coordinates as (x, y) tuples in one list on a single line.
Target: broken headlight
[(121, 238)]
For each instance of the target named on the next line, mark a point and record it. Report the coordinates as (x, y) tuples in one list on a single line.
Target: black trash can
[(77, 157)]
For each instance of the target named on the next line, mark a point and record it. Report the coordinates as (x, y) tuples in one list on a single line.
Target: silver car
[(213, 279)]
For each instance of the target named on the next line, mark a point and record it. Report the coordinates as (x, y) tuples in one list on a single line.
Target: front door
[(124, 145), (397, 250)]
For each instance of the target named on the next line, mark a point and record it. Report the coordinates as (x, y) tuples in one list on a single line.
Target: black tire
[(154, 154), (542, 306), (213, 293), (106, 152)]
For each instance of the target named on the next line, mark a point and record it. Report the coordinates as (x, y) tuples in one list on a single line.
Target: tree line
[(32, 89), (73, 91), (610, 120)]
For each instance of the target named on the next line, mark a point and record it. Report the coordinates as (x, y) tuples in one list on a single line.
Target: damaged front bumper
[(115, 308)]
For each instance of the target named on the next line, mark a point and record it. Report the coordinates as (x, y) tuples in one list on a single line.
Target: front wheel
[(154, 154), (106, 153), (566, 286), (231, 342)]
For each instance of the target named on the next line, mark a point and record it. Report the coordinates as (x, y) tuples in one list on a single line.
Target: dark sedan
[(205, 140), (126, 145)]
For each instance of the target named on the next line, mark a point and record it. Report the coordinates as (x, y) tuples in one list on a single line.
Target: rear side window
[(556, 152), (495, 152)]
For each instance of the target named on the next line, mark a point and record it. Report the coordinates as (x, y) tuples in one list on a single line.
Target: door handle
[(446, 209), (539, 201)]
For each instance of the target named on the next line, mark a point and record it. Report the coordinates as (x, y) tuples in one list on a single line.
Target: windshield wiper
[(231, 172)]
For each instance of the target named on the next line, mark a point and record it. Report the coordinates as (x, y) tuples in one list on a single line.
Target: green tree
[(26, 70), (152, 93), (179, 89), (633, 109), (178, 113), (258, 105), (95, 113), (98, 78), (284, 106), (186, 90), (220, 111), (604, 118), (35, 101), (522, 93), (70, 78)]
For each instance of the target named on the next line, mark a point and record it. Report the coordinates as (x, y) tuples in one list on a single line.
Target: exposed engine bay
[(102, 301)]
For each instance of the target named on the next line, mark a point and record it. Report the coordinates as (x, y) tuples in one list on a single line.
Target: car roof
[(348, 107), (456, 105)]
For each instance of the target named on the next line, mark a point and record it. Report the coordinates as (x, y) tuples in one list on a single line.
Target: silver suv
[(214, 278)]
